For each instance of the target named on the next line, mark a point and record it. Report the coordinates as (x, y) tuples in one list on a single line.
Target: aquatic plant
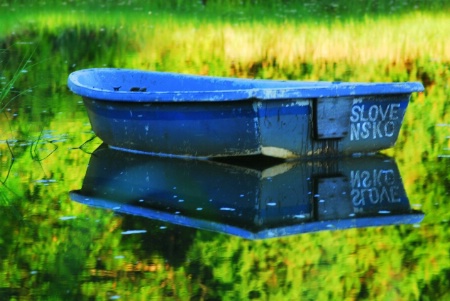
[(7, 85), (6, 89)]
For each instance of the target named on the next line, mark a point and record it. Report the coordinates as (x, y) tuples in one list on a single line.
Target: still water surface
[(144, 226), (84, 222)]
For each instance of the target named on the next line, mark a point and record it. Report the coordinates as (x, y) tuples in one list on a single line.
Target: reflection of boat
[(275, 200), (168, 113)]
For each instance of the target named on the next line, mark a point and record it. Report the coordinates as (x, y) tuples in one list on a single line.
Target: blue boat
[(254, 198), (201, 116)]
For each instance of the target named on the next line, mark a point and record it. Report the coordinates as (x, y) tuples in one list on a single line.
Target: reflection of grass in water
[(410, 47), (6, 154), (8, 85), (445, 151), (237, 9), (377, 47), (6, 164)]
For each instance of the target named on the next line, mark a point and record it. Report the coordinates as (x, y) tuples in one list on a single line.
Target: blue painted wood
[(146, 86), (189, 115), (254, 200)]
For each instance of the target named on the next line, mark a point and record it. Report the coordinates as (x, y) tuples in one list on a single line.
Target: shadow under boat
[(253, 197)]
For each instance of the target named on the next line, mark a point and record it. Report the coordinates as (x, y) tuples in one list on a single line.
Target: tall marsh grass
[(160, 39), (289, 45)]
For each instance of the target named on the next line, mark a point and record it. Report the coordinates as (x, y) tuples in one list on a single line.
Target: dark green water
[(53, 247)]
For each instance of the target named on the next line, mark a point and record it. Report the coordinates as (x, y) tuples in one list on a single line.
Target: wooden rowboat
[(202, 116), (251, 199)]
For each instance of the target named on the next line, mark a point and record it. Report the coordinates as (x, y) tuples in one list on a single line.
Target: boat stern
[(330, 126)]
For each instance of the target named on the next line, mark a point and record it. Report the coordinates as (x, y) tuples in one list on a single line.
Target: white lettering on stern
[(374, 122)]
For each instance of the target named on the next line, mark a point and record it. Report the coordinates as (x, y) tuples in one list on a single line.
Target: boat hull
[(280, 128), (183, 115), (219, 129)]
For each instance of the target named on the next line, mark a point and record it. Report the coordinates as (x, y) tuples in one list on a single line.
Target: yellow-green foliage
[(394, 263)]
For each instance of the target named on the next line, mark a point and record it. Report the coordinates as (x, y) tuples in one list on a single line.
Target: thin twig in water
[(34, 153), (81, 147)]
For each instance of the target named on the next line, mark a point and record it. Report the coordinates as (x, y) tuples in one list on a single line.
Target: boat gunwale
[(277, 89)]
